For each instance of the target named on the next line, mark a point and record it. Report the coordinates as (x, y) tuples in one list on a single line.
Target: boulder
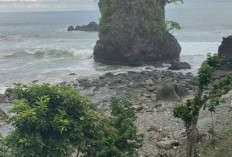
[(2, 98), (176, 65), (135, 38), (71, 28), (167, 93), (148, 83), (153, 50), (171, 93), (225, 49), (167, 144), (91, 27), (137, 108)]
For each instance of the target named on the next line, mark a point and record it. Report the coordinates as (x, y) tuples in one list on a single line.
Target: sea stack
[(225, 49), (134, 33)]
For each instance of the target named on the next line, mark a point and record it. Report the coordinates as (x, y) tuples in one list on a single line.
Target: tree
[(189, 113), (126, 139), (53, 121)]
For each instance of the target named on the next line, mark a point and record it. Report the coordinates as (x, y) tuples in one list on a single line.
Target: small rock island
[(134, 33), (91, 27)]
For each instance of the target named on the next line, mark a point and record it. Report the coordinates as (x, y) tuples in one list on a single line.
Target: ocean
[(37, 46)]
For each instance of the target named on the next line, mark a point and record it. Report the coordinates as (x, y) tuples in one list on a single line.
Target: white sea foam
[(79, 54), (2, 90)]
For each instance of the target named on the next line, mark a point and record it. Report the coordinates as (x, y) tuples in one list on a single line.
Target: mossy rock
[(133, 32)]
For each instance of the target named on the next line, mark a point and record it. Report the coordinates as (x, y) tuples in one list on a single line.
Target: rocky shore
[(154, 95), (91, 27)]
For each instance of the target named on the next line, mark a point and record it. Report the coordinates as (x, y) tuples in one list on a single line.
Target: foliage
[(123, 20), (173, 1), (53, 120), (183, 113), (222, 141), (4, 150), (190, 111), (126, 139), (50, 120), (215, 61), (171, 25)]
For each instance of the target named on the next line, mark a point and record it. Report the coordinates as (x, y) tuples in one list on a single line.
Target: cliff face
[(132, 32)]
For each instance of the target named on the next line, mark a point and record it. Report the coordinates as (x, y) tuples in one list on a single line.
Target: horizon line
[(48, 11)]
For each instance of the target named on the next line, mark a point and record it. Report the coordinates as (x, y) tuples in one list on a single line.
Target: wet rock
[(3, 98), (35, 81), (176, 65), (102, 77), (71, 28), (72, 74), (91, 27), (109, 74), (189, 75), (63, 83), (225, 49)]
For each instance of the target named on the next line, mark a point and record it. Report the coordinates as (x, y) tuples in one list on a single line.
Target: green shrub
[(53, 120)]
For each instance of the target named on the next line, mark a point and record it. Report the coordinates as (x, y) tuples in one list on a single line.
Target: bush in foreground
[(52, 121)]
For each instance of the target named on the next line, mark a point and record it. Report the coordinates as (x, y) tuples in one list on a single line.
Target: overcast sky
[(74, 5), (47, 5)]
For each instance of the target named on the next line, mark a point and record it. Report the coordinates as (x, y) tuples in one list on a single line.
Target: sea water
[(37, 46)]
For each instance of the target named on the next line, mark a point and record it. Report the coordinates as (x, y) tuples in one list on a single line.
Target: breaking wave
[(56, 53)]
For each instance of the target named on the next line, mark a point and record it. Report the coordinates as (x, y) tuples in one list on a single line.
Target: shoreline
[(154, 94)]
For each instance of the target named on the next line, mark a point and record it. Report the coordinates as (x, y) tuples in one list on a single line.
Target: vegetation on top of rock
[(52, 120), (189, 113), (149, 13), (135, 32), (215, 61)]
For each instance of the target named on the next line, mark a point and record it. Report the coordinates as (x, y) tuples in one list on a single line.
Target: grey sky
[(72, 5), (47, 5)]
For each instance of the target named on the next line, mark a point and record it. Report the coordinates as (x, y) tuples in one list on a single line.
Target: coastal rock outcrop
[(225, 49), (71, 28), (176, 65), (134, 33), (91, 27), (2, 98)]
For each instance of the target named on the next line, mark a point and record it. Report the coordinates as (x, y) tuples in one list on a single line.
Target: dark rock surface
[(71, 28), (175, 65), (91, 27), (172, 92), (2, 98), (135, 38), (139, 86), (225, 49), (149, 51)]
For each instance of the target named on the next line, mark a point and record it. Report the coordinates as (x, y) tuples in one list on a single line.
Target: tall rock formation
[(133, 32), (225, 49)]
